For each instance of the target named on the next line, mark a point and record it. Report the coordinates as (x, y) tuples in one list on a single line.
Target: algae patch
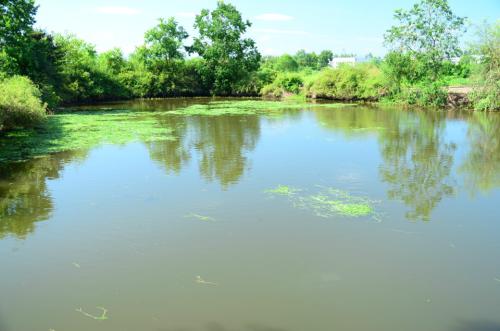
[(248, 107), (283, 190), (199, 217), (82, 130), (328, 202), (98, 318)]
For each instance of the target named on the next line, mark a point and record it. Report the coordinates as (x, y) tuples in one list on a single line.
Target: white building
[(337, 61)]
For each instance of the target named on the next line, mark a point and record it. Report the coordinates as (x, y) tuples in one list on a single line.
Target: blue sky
[(279, 26)]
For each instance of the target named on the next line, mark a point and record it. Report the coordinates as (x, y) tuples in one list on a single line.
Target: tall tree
[(229, 58), (429, 31), (324, 58), (16, 24)]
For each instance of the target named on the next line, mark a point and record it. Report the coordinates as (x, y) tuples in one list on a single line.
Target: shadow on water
[(477, 326)]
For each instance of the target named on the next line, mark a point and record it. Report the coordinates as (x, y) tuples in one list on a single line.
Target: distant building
[(337, 61), (350, 60)]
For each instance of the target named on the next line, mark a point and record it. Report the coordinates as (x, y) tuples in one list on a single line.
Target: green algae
[(248, 107), (328, 202), (98, 318), (283, 190), (85, 129), (81, 130), (200, 217)]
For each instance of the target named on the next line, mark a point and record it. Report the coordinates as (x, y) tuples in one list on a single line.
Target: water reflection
[(417, 156), (24, 197), (417, 161), (481, 167), (221, 144)]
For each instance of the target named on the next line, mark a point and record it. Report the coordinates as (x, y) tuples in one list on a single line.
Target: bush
[(363, 81), (423, 95), (283, 84), (486, 93), (20, 103)]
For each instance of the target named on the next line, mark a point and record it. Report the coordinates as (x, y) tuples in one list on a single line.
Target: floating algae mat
[(327, 202), (82, 130), (283, 190), (248, 107)]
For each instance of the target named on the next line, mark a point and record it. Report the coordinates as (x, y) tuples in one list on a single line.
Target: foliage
[(16, 21), (228, 56), (283, 84), (429, 31), (422, 45), (20, 104), (363, 81), (486, 94)]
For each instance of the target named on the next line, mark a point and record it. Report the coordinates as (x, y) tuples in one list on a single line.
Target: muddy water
[(350, 218)]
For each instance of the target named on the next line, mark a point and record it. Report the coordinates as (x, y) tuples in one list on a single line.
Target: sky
[(278, 26)]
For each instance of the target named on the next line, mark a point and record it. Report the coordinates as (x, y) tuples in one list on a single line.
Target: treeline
[(39, 71)]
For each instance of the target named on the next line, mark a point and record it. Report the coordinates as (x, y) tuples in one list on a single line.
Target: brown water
[(182, 235)]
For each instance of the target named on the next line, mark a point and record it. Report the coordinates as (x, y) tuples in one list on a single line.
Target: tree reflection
[(220, 142), (24, 197), (172, 155), (481, 167), (417, 161)]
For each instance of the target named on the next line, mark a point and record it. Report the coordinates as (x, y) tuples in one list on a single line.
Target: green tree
[(163, 55), (16, 23), (306, 60), (286, 63), (486, 94), (324, 58), (429, 32), (229, 58)]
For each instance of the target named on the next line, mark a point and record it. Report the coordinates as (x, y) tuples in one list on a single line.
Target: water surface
[(238, 223)]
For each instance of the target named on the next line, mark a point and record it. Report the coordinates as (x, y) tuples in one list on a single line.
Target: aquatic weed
[(328, 202), (283, 190), (98, 318)]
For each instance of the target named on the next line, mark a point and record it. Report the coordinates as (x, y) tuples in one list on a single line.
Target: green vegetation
[(81, 130), (247, 107), (327, 202), (222, 61), (486, 95), (20, 104)]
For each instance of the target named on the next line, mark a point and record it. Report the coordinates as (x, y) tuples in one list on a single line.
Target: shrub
[(283, 84), (423, 95), (20, 103), (363, 81), (486, 93)]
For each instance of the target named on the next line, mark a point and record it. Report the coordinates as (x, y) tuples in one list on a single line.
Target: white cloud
[(118, 10), (273, 17), (186, 15), (282, 32)]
